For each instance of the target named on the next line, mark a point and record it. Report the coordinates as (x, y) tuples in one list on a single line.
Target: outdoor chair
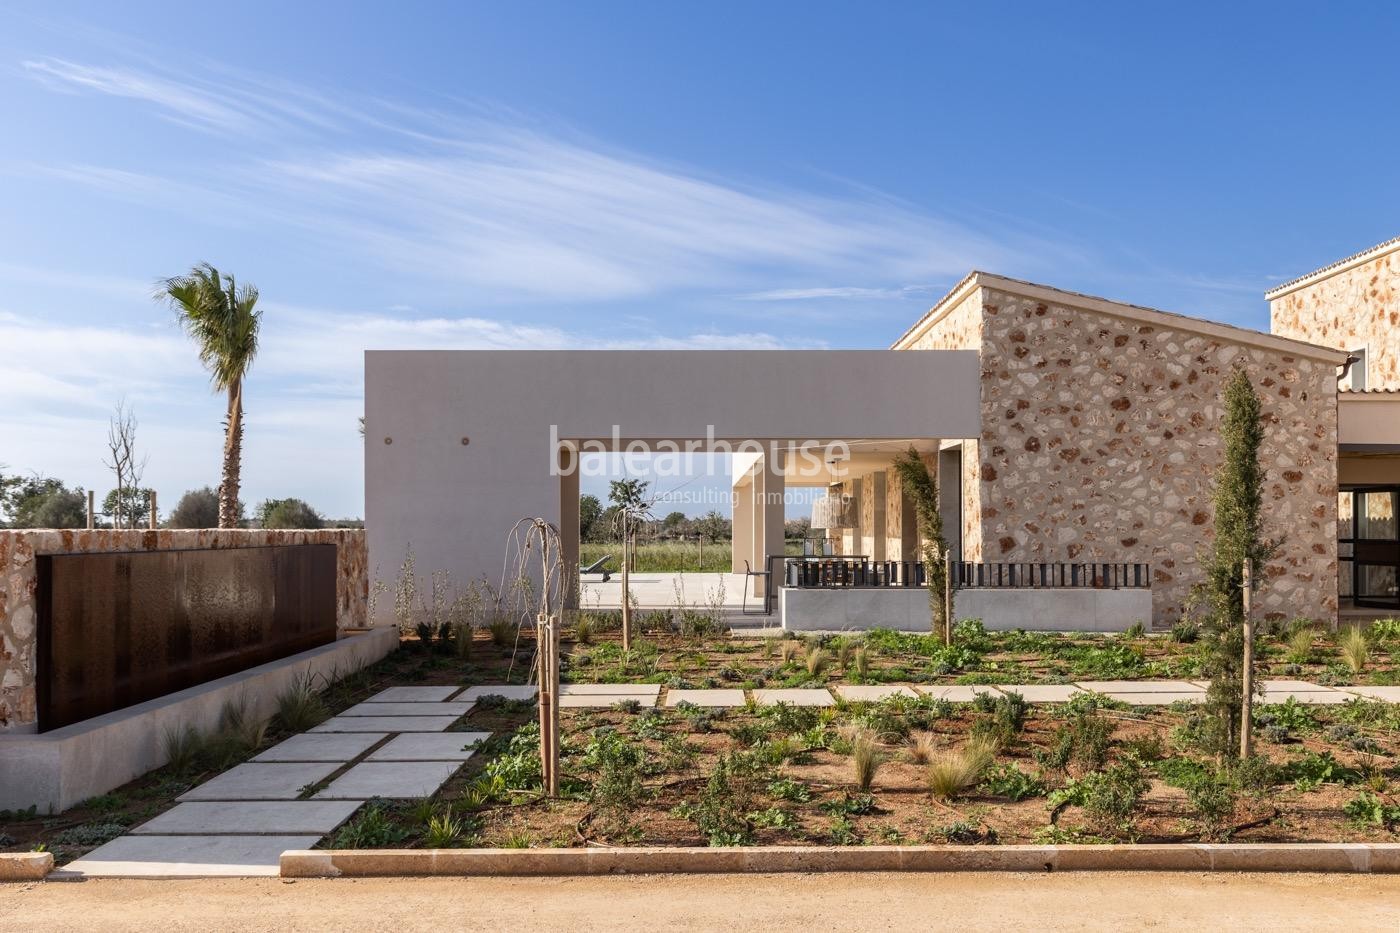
[(767, 576), (597, 567)]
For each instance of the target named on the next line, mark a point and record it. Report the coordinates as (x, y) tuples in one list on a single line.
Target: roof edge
[(1048, 293), (1327, 271)]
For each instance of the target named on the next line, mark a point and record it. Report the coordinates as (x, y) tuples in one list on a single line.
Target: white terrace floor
[(666, 590)]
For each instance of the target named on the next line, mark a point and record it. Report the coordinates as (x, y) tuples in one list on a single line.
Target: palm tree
[(219, 316)]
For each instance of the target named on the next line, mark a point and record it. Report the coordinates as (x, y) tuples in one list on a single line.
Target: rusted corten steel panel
[(117, 629)]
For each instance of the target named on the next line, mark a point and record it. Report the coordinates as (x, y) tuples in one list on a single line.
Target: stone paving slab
[(640, 690), (261, 781), (1318, 697), (429, 746), (508, 691), (386, 724), (705, 697), (1390, 694), (1299, 686), (1139, 686), (793, 697), (186, 857), (1156, 699), (393, 780), (602, 700), (409, 709), (958, 693), (413, 694), (1042, 693), (261, 817), (326, 746), (867, 693)]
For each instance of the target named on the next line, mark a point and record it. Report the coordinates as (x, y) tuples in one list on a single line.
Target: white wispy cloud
[(470, 207), (484, 200), (841, 292)]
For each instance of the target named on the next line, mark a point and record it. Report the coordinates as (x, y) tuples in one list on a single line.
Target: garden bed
[(1089, 771)]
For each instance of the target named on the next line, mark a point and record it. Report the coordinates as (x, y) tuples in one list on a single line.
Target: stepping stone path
[(238, 817), (426, 746), (1280, 691), (392, 780), (329, 746), (395, 745), (854, 693), (705, 697), (256, 780), (387, 724), (793, 697), (409, 709), (602, 696), (957, 693), (505, 691), (1389, 694)]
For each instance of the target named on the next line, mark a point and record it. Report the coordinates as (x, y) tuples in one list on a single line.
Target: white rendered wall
[(454, 503)]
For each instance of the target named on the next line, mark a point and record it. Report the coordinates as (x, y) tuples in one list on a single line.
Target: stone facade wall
[(1353, 309), (962, 328), (1100, 442), (18, 587)]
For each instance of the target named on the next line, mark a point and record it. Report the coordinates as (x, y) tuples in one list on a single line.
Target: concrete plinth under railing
[(55, 770), (840, 609)]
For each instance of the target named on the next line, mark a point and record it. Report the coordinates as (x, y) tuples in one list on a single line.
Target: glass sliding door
[(1368, 546)]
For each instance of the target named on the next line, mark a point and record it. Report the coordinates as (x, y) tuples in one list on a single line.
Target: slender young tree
[(918, 484), (633, 508), (1238, 497), (221, 317), (126, 501)]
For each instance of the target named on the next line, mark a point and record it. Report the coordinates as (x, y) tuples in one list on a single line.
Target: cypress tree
[(1238, 536), (916, 482)]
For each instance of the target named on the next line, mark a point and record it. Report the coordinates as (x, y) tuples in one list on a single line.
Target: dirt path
[(772, 903)]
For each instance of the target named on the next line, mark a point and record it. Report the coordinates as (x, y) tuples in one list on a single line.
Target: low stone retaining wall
[(362, 863), (55, 770), (1003, 609), (19, 586)]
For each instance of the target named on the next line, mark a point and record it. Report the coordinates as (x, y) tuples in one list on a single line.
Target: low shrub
[(1011, 782), (1354, 648), (371, 829), (865, 757), (300, 706), (1081, 744), (1108, 797), (950, 773)]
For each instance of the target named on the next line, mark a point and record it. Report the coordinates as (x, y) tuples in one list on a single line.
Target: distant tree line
[(38, 501), (598, 524)]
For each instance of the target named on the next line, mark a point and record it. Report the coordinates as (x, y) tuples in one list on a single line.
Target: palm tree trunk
[(233, 455)]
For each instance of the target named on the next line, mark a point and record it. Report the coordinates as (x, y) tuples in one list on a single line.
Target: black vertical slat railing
[(838, 572)]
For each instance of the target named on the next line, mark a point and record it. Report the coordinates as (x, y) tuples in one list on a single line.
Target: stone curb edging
[(25, 866), (1362, 858)]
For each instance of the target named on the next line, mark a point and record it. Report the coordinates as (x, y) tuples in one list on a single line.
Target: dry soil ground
[(772, 903)]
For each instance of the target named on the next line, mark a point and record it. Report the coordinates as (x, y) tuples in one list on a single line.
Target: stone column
[(741, 527), (877, 516)]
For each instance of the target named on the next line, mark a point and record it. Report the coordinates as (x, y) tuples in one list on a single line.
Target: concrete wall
[(18, 588), (1100, 439), (455, 502), (1351, 307), (907, 610)]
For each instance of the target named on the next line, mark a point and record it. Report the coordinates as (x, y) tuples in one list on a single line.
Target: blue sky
[(632, 175)]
